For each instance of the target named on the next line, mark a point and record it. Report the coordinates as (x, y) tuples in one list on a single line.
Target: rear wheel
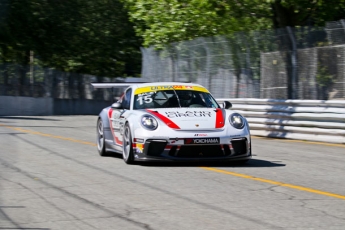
[(100, 138), (127, 152)]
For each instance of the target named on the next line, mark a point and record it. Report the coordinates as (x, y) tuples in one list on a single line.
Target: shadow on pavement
[(252, 163)]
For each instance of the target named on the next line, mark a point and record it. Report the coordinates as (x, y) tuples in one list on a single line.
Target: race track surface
[(51, 177)]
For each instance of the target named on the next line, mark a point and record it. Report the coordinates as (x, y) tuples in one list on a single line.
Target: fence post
[(342, 21), (293, 63)]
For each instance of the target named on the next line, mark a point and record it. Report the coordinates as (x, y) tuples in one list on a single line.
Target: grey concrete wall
[(30, 106), (79, 106), (25, 106)]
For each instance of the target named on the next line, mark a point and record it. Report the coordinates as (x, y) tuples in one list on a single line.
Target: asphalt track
[(51, 177)]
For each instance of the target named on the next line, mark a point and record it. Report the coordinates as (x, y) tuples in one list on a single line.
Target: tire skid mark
[(17, 226), (42, 197), (72, 195), (208, 206), (48, 135)]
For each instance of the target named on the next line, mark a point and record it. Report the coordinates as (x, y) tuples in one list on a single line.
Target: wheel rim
[(100, 137), (126, 144)]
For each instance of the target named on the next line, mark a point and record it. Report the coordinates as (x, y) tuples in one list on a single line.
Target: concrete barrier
[(311, 120), (78, 106), (294, 119), (30, 106), (25, 106)]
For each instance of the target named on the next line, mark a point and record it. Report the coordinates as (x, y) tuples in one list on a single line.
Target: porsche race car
[(170, 121)]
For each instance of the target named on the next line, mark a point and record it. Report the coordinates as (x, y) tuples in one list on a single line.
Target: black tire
[(127, 152), (100, 138)]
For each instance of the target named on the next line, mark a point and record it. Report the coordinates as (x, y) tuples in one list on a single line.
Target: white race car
[(171, 121)]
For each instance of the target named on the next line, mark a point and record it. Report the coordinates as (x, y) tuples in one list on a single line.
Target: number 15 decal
[(144, 99)]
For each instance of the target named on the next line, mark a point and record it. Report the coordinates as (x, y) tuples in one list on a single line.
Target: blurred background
[(293, 49)]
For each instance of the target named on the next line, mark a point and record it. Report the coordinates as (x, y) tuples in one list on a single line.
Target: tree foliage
[(96, 37), (306, 12), (82, 36), (164, 21), (161, 22)]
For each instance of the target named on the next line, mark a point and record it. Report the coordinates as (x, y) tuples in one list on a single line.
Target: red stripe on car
[(116, 139), (219, 118), (166, 120), (110, 112)]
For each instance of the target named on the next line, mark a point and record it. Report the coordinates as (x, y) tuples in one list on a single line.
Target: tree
[(81, 36), (306, 12), (162, 22)]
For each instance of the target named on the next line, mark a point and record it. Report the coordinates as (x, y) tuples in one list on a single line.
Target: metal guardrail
[(311, 120)]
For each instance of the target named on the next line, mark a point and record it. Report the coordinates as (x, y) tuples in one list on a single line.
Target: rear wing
[(112, 85), (119, 85)]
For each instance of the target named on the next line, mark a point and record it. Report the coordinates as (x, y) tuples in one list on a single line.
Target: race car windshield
[(174, 99)]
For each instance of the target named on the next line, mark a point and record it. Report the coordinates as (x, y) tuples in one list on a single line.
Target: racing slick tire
[(100, 138), (127, 153)]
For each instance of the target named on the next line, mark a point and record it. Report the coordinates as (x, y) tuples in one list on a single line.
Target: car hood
[(191, 118)]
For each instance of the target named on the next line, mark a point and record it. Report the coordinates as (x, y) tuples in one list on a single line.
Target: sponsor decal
[(176, 142), (200, 135), (189, 114), (138, 147), (112, 124), (169, 87), (213, 140), (145, 98)]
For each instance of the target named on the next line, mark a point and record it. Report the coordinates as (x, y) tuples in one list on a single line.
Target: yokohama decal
[(166, 120), (213, 140), (219, 118)]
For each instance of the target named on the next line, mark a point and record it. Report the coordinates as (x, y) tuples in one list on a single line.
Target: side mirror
[(227, 105), (116, 105)]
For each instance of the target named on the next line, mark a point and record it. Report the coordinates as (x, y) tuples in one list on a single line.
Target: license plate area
[(202, 141)]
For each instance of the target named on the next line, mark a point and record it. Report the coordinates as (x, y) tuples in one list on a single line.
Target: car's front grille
[(155, 148), (239, 146), (200, 151), (227, 150)]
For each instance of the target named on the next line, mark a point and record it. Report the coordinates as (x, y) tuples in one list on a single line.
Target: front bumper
[(178, 150)]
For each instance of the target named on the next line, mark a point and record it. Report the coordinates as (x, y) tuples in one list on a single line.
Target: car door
[(118, 120)]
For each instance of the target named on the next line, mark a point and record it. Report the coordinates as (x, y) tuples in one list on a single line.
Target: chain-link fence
[(287, 63)]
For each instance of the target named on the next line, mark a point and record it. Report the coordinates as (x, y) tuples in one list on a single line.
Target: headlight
[(149, 122), (237, 121)]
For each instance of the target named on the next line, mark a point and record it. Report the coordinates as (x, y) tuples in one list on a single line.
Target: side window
[(126, 102)]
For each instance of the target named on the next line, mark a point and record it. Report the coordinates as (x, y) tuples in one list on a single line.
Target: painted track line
[(267, 181), (297, 187)]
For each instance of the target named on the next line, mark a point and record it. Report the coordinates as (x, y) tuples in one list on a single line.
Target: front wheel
[(100, 138), (127, 153)]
